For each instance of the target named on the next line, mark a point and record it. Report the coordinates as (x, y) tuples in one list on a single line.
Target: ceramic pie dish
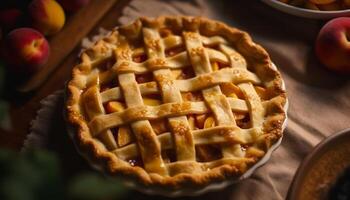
[(306, 13), (176, 105), (320, 170)]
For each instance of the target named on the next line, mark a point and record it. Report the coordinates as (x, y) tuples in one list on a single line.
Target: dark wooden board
[(77, 26)]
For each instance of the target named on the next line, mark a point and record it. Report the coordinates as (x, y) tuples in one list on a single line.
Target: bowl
[(306, 13), (321, 169)]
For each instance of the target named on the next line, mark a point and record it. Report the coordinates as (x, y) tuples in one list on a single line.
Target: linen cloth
[(319, 100)]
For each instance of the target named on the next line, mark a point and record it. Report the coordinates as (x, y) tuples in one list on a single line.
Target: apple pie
[(175, 101)]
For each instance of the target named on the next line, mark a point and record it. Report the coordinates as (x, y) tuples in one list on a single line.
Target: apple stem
[(35, 43)]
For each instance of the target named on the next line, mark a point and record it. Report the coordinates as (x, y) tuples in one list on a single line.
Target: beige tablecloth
[(319, 99)]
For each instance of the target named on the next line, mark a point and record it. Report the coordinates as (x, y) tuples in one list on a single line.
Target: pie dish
[(174, 102)]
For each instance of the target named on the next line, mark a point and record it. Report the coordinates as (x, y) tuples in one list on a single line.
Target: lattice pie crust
[(174, 101)]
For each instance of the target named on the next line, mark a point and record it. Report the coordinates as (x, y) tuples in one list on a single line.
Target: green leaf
[(33, 175), (91, 186)]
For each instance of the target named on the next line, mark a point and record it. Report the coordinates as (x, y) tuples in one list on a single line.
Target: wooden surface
[(23, 107), (62, 44)]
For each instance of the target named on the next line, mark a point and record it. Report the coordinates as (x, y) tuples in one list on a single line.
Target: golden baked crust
[(249, 65)]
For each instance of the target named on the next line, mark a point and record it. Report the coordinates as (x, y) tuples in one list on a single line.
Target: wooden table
[(65, 47)]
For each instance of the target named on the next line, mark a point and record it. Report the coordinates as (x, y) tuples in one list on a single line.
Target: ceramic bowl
[(307, 13)]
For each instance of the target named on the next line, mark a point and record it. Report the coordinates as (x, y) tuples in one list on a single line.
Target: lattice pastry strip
[(146, 139), (175, 62), (183, 138), (201, 64), (213, 96), (193, 84), (103, 122), (218, 134), (256, 109), (94, 107)]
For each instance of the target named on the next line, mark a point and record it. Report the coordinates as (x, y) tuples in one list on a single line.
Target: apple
[(73, 5), (25, 50), (333, 45), (9, 18), (47, 16)]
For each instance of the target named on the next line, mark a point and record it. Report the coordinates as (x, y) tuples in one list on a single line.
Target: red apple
[(73, 5), (333, 45), (9, 18), (25, 50)]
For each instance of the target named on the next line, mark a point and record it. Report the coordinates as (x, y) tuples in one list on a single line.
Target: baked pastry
[(174, 101)]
